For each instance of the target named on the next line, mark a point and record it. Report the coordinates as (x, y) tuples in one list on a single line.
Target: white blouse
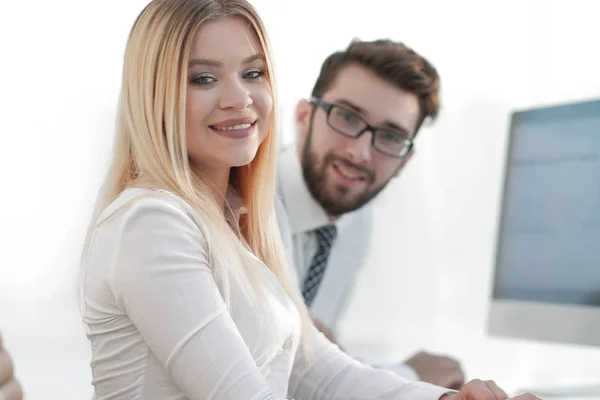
[(162, 327)]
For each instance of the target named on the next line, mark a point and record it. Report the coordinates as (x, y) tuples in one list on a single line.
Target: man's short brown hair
[(392, 61)]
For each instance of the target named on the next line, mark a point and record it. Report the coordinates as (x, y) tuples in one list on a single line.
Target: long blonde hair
[(150, 148)]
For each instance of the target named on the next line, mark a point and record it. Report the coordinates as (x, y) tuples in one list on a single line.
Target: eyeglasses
[(390, 142)]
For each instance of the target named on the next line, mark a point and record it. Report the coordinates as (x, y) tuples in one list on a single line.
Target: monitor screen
[(548, 251)]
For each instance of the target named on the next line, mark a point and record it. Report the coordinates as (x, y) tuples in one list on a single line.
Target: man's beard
[(332, 197)]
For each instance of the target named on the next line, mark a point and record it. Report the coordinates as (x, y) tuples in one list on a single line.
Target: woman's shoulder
[(133, 202)]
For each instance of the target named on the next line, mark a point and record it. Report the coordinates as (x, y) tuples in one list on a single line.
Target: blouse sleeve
[(162, 279)]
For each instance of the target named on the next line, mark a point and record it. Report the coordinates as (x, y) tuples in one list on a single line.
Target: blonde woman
[(186, 290)]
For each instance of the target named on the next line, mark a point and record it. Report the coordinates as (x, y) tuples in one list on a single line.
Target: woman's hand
[(9, 387)]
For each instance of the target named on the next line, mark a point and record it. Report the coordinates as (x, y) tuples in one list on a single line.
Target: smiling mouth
[(239, 127), (349, 173)]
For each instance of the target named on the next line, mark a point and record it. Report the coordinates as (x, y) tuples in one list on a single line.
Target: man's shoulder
[(281, 214), (279, 203)]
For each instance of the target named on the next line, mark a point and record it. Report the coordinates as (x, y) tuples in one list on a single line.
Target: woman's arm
[(162, 279)]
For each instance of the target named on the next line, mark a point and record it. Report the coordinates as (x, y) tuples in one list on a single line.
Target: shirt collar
[(304, 212)]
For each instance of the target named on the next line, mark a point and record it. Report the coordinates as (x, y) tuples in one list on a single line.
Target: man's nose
[(359, 149)]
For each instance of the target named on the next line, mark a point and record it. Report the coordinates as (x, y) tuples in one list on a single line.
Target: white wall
[(60, 77)]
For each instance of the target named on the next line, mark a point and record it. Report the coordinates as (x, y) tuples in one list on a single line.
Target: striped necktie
[(325, 237)]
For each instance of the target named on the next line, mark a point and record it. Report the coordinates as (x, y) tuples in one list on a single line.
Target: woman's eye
[(254, 74), (203, 80)]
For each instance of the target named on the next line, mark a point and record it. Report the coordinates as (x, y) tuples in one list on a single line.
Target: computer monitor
[(547, 271)]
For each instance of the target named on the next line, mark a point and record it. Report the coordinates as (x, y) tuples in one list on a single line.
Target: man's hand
[(9, 387), (439, 370), (484, 390)]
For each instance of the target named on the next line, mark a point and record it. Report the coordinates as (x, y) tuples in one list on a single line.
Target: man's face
[(344, 173)]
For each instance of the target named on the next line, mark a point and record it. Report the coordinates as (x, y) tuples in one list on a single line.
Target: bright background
[(428, 280)]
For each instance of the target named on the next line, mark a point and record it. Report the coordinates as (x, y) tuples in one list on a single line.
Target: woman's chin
[(239, 160)]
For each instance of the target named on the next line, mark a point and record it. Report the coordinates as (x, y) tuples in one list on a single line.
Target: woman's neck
[(217, 181)]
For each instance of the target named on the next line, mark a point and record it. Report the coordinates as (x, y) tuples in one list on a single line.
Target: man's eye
[(393, 137), (348, 116)]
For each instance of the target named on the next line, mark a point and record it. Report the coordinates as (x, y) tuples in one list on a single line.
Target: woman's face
[(229, 100)]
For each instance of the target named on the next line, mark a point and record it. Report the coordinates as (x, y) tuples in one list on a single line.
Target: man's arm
[(326, 372), (437, 369), (422, 366), (10, 389), (431, 368)]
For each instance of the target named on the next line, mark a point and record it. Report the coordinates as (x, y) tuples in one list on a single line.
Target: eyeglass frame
[(327, 107)]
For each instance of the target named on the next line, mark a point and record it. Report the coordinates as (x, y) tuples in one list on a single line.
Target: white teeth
[(240, 127)]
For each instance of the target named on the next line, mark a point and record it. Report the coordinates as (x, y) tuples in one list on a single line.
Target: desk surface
[(513, 364)]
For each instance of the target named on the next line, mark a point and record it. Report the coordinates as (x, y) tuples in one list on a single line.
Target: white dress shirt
[(164, 326), (348, 253)]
